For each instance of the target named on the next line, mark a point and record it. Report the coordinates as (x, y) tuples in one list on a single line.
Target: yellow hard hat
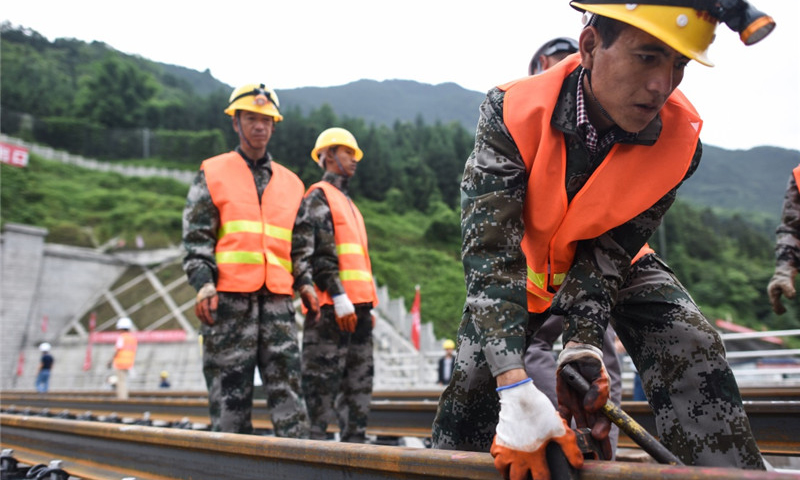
[(685, 29), (255, 97), (448, 344), (336, 136), (164, 374)]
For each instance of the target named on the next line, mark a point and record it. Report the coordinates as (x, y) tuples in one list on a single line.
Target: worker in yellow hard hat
[(572, 171), (238, 221), (337, 346), (445, 370)]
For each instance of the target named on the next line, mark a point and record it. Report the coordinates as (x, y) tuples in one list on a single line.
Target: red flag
[(415, 319), (21, 363), (44, 323), (87, 362)]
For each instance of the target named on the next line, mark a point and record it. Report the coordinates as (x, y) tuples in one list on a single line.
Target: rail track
[(775, 424), (100, 450)]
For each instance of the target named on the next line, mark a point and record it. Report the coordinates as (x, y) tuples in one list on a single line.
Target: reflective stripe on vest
[(350, 235), (126, 355), (254, 244), (629, 180)]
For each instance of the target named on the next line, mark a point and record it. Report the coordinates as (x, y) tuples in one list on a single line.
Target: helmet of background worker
[(688, 26), (555, 46), (448, 344), (164, 374), (124, 323), (44, 347), (335, 136), (255, 97)]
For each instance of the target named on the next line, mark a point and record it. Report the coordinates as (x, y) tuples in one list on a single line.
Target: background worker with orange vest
[(124, 356), (237, 232), (572, 172), (337, 347), (787, 247)]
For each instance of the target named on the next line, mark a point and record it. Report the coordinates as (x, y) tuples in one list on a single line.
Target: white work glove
[(781, 283), (207, 301), (528, 422), (345, 313), (585, 409)]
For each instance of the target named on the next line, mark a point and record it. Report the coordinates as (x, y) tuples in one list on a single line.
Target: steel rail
[(774, 424), (152, 453), (791, 392)]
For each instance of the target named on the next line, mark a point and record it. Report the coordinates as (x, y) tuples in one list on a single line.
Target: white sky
[(751, 98)]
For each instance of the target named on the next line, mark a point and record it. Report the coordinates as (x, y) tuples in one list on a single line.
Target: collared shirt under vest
[(126, 351), (629, 180), (350, 235), (254, 242)]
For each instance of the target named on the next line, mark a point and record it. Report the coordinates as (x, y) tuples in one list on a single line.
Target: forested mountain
[(115, 107)]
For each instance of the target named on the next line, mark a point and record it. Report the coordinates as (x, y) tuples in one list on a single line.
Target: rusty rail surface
[(95, 450), (775, 424)]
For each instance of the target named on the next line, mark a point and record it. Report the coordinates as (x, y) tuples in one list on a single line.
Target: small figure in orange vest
[(237, 232), (124, 356), (787, 247), (337, 347), (573, 170)]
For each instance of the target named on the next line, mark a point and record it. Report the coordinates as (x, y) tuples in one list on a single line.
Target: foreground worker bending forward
[(572, 171), (337, 347), (237, 232)]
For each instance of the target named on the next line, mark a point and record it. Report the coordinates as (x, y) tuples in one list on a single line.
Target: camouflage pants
[(338, 368), (254, 330), (680, 357)]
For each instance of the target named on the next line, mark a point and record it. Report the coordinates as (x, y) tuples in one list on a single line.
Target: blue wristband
[(506, 387)]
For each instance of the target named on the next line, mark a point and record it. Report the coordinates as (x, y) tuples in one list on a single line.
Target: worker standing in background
[(45, 367), (237, 231), (445, 370), (787, 247), (124, 356), (338, 365), (572, 172)]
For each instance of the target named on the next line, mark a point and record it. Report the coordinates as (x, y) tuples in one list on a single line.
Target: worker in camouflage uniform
[(337, 347), (787, 247), (572, 171), (237, 232)]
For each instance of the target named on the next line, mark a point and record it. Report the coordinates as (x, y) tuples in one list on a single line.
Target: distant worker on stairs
[(338, 365), (237, 231), (787, 247), (124, 356)]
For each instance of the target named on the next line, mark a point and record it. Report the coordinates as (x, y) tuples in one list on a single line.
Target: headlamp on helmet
[(255, 97)]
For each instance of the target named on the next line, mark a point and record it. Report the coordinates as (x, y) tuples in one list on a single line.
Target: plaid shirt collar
[(585, 128)]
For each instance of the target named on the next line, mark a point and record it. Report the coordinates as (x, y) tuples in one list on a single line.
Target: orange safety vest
[(254, 241), (126, 354), (630, 179), (796, 173), (350, 235)]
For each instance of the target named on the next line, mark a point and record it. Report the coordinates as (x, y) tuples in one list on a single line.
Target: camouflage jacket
[(787, 236), (314, 241), (201, 224), (493, 192)]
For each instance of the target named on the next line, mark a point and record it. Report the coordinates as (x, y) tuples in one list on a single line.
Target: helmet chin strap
[(339, 163), (239, 131), (596, 101)]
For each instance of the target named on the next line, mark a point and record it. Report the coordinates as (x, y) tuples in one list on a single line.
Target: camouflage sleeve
[(200, 226), (787, 235), (302, 247), (601, 265), (321, 245), (492, 196)]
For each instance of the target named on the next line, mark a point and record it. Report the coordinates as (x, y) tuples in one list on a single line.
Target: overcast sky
[(751, 98)]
